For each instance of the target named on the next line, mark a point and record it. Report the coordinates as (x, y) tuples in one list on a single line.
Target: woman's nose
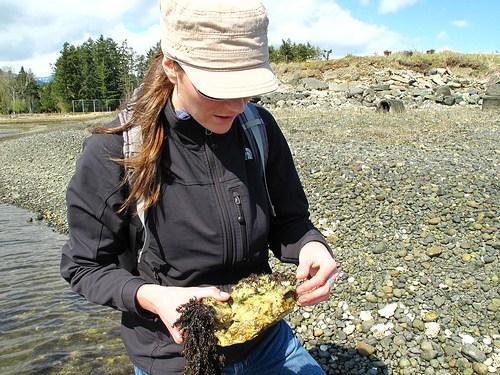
[(237, 105)]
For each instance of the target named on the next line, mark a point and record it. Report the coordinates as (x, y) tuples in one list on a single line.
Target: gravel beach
[(409, 201)]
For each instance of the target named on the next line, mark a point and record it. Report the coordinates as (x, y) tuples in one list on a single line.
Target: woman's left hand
[(318, 270)]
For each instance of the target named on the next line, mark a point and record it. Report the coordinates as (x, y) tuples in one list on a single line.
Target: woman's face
[(216, 115)]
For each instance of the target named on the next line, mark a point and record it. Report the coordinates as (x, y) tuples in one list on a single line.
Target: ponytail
[(143, 172)]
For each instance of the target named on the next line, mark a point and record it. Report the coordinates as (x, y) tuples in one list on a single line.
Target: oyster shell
[(256, 303)]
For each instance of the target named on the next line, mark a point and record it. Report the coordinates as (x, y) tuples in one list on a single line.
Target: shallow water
[(45, 328), (9, 131), (15, 130)]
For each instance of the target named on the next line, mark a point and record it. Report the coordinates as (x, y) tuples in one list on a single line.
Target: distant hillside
[(43, 80)]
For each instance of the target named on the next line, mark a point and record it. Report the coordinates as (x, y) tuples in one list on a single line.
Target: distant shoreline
[(29, 118), (20, 125)]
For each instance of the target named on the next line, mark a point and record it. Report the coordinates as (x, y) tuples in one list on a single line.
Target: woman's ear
[(169, 68)]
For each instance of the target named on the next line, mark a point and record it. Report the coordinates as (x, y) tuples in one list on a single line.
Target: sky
[(32, 32)]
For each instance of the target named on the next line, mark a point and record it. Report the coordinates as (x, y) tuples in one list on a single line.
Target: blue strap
[(255, 131)]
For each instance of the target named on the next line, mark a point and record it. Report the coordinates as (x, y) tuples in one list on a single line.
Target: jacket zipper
[(226, 224), (243, 224)]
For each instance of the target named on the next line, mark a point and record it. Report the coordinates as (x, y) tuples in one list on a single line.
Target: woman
[(209, 220)]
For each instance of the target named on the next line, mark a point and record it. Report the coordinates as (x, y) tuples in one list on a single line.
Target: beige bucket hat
[(220, 44)]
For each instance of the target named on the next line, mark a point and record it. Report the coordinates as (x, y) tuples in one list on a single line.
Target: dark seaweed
[(200, 344)]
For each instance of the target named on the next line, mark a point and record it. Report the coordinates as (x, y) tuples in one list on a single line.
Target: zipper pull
[(156, 274), (237, 202)]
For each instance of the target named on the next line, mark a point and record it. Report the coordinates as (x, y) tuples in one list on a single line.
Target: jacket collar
[(188, 129)]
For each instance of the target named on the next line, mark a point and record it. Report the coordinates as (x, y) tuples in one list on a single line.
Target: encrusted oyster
[(256, 303)]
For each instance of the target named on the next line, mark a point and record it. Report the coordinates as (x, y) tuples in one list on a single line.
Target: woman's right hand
[(164, 301)]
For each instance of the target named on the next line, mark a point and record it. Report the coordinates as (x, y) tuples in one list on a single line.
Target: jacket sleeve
[(291, 229), (97, 233)]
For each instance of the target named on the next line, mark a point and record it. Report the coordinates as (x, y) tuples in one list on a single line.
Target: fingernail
[(224, 294)]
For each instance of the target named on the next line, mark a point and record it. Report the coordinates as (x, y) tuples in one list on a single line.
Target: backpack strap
[(255, 131)]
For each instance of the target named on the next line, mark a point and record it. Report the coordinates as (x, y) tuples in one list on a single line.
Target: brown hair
[(142, 170)]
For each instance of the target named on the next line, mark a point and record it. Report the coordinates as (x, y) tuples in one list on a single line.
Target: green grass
[(475, 65), (480, 62)]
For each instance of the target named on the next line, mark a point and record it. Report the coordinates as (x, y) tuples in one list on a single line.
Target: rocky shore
[(409, 201), (365, 87)]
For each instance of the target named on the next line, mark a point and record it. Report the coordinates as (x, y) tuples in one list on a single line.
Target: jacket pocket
[(153, 268), (240, 218)]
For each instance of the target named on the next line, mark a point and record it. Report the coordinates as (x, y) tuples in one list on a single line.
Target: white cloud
[(327, 25), (392, 6), (460, 23), (364, 2), (33, 34), (443, 35), (36, 31), (39, 64)]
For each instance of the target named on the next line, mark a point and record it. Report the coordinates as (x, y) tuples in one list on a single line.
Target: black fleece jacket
[(212, 226)]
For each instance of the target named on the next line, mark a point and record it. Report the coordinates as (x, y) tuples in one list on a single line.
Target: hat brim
[(232, 84)]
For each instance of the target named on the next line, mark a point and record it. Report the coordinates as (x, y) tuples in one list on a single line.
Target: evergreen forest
[(98, 75)]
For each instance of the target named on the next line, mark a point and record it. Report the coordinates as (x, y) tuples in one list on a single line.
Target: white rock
[(327, 232), (466, 339), (343, 305), (432, 329), (447, 333), (437, 79), (487, 340), (323, 348), (388, 311), (365, 316), (403, 307), (496, 360), (350, 280), (347, 316), (348, 329), (382, 330)]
